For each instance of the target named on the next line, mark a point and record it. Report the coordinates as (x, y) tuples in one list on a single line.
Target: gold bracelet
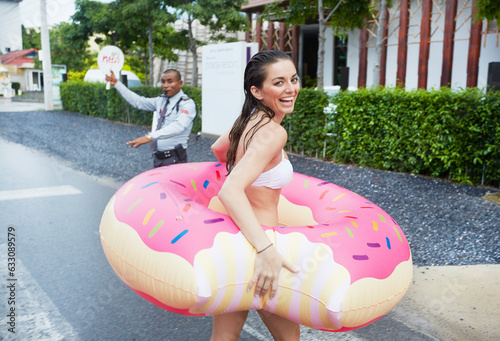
[(264, 249)]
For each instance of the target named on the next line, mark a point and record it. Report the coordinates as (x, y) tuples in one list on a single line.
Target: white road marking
[(308, 334), (254, 332), (37, 317), (39, 192)]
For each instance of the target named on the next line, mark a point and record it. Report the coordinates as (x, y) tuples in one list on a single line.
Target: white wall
[(435, 64), (329, 50), (353, 57), (490, 53), (10, 26)]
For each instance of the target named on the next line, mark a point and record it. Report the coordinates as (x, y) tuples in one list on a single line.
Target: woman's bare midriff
[(264, 202)]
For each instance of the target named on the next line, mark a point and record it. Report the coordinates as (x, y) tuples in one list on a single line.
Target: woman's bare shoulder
[(268, 141), (274, 132)]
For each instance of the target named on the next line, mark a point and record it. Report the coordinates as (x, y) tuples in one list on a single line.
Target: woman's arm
[(265, 145), (221, 146)]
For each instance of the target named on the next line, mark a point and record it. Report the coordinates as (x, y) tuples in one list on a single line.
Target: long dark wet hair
[(255, 75)]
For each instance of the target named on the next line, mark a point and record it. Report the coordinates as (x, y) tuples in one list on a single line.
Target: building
[(18, 62), (20, 65), (427, 44), (10, 26)]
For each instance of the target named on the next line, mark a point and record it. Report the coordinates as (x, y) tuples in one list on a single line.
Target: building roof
[(258, 5), (19, 57)]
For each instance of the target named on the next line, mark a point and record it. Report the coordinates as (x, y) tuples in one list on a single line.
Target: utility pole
[(47, 62)]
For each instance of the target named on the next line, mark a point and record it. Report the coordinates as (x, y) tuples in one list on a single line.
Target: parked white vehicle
[(96, 75)]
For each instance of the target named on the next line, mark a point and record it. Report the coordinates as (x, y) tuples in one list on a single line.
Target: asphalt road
[(64, 289)]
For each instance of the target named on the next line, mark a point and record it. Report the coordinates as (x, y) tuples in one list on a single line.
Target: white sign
[(110, 58), (222, 93)]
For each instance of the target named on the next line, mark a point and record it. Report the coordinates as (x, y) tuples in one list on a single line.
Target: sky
[(57, 11)]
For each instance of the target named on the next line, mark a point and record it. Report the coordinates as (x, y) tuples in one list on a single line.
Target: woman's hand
[(267, 269)]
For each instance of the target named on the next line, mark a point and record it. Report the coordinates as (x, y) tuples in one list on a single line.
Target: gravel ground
[(445, 223)]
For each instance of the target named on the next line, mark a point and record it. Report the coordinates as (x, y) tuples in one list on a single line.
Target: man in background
[(174, 113)]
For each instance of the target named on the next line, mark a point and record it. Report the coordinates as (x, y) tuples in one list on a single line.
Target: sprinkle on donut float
[(169, 239)]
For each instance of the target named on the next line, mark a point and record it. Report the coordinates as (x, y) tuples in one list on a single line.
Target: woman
[(257, 170)]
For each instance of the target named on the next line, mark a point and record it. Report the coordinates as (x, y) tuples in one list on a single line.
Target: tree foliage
[(139, 27), (489, 9), (31, 38), (350, 14), (67, 46), (220, 16)]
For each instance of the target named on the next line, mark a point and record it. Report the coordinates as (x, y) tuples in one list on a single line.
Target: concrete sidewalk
[(443, 303), (6, 105), (453, 302)]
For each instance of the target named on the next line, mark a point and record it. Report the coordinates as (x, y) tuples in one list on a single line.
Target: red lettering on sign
[(111, 59)]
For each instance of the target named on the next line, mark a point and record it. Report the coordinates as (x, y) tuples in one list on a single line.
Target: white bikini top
[(278, 176)]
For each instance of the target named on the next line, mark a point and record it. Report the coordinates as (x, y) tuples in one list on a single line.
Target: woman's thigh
[(280, 328), (227, 327)]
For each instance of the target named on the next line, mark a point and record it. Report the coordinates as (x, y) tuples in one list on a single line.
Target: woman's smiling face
[(280, 88)]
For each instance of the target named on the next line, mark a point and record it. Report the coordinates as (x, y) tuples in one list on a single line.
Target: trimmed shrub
[(440, 133), (306, 125), (94, 100)]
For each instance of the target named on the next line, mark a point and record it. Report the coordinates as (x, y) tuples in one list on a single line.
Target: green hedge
[(441, 133), (306, 125), (94, 100)]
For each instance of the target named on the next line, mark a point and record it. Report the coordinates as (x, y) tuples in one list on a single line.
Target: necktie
[(161, 118)]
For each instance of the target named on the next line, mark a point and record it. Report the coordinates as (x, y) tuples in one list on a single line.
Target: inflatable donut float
[(168, 238)]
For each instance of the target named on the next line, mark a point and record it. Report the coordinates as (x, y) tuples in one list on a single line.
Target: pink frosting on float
[(168, 208), (356, 230)]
